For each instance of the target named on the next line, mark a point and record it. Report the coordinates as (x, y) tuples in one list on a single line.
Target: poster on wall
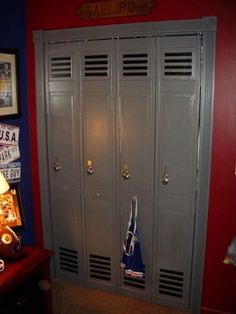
[(9, 98), (11, 211), (9, 153)]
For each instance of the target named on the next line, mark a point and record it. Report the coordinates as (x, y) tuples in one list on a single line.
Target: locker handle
[(56, 165), (125, 173), (165, 177), (89, 167)]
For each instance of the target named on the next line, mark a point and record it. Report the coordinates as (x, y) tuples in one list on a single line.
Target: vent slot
[(96, 65), (100, 267), (171, 283), (61, 67), (68, 260), (135, 64), (138, 283), (178, 64)]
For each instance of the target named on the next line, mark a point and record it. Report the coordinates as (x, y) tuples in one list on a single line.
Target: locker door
[(63, 161), (136, 146), (176, 161), (99, 163)]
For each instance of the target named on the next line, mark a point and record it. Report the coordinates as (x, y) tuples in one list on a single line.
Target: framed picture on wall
[(11, 211), (9, 94)]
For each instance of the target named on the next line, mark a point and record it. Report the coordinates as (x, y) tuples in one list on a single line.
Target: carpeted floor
[(69, 298)]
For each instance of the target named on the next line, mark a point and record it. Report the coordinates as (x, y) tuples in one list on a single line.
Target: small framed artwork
[(11, 211), (9, 94)]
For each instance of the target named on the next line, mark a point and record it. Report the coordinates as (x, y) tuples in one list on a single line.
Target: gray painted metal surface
[(102, 199), (97, 99), (63, 158), (176, 158), (136, 118)]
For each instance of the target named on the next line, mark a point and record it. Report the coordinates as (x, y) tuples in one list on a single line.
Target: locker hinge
[(196, 191), (201, 51)]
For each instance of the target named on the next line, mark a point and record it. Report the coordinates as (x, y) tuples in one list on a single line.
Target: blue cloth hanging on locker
[(132, 258)]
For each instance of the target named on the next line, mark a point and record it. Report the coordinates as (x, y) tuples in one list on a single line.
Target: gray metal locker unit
[(136, 97), (176, 162), (118, 134), (98, 107), (63, 156), (123, 118)]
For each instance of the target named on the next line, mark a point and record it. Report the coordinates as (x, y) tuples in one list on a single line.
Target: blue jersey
[(132, 259)]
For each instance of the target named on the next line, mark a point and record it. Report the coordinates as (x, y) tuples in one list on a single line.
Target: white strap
[(131, 251)]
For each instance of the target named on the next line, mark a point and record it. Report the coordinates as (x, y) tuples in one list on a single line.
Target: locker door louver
[(61, 67), (138, 283), (135, 64), (100, 267), (68, 260), (96, 65), (171, 283), (178, 64)]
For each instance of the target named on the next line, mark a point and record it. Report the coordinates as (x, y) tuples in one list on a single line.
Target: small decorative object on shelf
[(1, 265), (231, 253), (9, 243)]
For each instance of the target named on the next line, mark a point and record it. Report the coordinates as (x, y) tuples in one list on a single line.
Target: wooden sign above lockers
[(114, 8)]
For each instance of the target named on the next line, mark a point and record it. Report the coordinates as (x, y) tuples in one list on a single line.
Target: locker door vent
[(68, 260), (100, 267), (135, 64), (178, 64), (61, 68), (96, 65), (171, 283), (138, 283)]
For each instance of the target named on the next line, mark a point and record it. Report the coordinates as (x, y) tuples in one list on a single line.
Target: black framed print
[(9, 94)]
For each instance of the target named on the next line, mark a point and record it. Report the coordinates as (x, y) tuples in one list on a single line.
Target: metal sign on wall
[(114, 8)]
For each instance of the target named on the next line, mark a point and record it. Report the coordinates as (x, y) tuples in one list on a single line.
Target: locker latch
[(89, 167), (165, 177), (125, 173), (56, 165)]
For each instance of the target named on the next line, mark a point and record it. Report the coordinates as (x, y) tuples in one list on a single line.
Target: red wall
[(219, 290)]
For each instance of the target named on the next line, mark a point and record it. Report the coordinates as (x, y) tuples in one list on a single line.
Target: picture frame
[(11, 211), (9, 83)]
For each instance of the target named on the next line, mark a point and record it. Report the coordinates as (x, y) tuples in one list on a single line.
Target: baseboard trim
[(206, 310)]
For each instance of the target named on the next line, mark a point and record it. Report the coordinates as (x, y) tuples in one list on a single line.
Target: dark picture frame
[(11, 210), (9, 83)]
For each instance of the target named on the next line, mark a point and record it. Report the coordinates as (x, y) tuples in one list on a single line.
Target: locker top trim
[(148, 29)]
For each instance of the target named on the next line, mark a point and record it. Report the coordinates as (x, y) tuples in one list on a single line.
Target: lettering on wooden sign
[(114, 8)]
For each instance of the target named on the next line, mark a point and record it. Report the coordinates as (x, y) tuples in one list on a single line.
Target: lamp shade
[(4, 186)]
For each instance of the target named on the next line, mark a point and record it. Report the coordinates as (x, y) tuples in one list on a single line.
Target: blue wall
[(13, 36)]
